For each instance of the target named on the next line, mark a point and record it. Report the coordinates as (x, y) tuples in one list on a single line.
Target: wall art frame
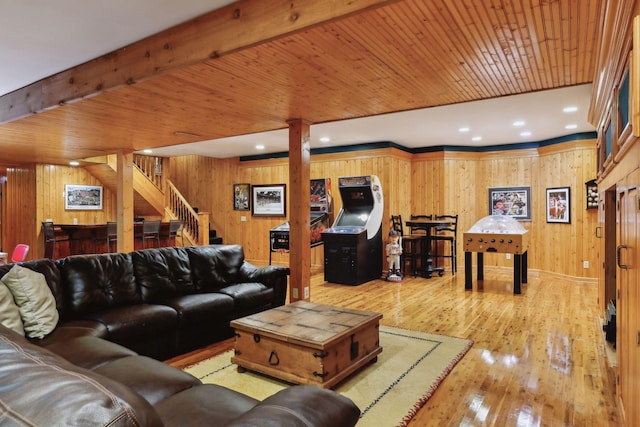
[(83, 197), (241, 197), (512, 201), (558, 205), (269, 200)]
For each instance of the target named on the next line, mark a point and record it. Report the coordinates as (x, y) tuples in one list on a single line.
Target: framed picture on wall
[(558, 205), (82, 197), (268, 200), (241, 197), (511, 201)]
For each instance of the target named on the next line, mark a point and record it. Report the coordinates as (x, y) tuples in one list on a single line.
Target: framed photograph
[(241, 197), (268, 200), (511, 201), (83, 197), (558, 205)]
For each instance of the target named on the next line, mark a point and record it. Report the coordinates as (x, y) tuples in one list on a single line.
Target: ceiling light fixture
[(571, 126), (74, 163), (259, 147), (463, 129), (525, 134), (518, 123), (570, 109), (325, 139), (476, 138)]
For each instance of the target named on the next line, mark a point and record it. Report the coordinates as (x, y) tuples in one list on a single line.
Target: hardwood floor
[(538, 358)]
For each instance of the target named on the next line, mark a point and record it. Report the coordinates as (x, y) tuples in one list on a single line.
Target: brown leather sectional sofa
[(88, 381), (120, 312), (159, 302)]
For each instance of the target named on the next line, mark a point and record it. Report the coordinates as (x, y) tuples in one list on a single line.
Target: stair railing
[(196, 224), (152, 167)]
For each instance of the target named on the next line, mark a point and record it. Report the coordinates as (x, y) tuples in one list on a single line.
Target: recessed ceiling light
[(463, 129), (147, 151), (525, 134), (259, 147), (571, 126), (325, 139), (570, 109), (476, 138), (74, 163), (518, 123)]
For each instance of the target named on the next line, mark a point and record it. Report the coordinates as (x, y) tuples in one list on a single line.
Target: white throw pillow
[(9, 313), (34, 299)]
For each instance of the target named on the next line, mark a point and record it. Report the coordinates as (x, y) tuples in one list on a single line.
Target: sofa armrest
[(302, 406), (272, 276)]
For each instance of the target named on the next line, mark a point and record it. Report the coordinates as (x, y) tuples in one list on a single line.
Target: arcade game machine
[(321, 218), (353, 245)]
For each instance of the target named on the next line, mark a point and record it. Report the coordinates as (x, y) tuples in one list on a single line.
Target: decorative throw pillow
[(34, 299), (9, 313)]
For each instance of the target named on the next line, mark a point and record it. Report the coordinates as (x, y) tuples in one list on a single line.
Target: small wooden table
[(427, 267), (307, 343)]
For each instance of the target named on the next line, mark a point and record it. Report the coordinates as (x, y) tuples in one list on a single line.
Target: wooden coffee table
[(307, 343)]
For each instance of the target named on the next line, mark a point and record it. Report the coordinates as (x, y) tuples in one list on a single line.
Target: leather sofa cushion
[(201, 308), (214, 267), (309, 405), (203, 404), (90, 352), (136, 321), (162, 273), (153, 380), (61, 392), (98, 282), (249, 295)]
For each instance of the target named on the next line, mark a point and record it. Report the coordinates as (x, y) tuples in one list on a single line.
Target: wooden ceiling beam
[(237, 26)]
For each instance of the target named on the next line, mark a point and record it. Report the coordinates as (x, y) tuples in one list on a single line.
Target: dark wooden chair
[(447, 234), (50, 236), (411, 245)]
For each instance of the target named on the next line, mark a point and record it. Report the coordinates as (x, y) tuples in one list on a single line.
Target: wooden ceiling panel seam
[(432, 57), (454, 42), (475, 38)]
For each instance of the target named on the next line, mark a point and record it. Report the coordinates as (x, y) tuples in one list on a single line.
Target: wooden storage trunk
[(307, 343)]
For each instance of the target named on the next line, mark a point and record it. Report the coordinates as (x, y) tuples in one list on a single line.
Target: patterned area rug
[(389, 392)]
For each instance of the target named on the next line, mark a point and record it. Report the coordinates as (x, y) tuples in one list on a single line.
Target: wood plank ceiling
[(400, 56)]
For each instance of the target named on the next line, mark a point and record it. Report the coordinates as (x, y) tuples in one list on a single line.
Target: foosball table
[(498, 234)]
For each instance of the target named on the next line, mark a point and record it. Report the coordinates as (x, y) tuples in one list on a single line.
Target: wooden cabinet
[(628, 298)]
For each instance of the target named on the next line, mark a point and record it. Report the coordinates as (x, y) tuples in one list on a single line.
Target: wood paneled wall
[(18, 205), (48, 185), (442, 182)]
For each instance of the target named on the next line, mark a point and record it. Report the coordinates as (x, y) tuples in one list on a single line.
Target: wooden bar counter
[(92, 238)]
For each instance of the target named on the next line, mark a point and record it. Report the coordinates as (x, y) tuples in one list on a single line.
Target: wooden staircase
[(154, 196)]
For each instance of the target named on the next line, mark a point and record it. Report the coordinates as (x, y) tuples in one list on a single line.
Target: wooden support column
[(125, 202), (299, 210)]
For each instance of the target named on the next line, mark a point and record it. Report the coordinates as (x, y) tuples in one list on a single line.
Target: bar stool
[(112, 234), (175, 226), (410, 245), (447, 234), (51, 237), (151, 230)]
